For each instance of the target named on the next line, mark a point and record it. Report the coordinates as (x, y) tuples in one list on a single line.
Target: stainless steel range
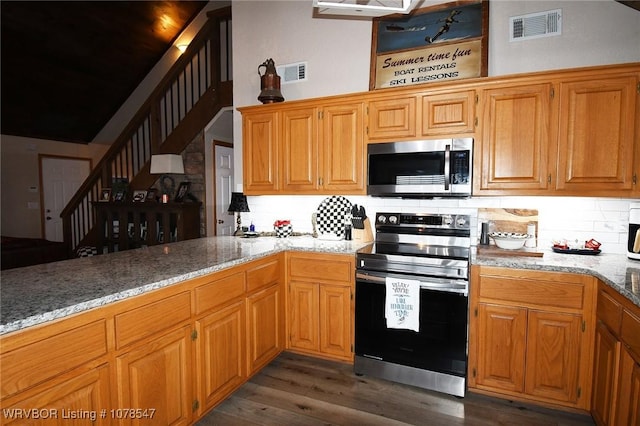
[(426, 250)]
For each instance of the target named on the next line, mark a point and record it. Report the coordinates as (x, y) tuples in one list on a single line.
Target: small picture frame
[(119, 196), (182, 192), (139, 196), (105, 195), (151, 194)]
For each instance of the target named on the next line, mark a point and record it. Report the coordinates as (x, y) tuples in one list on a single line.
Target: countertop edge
[(279, 246)]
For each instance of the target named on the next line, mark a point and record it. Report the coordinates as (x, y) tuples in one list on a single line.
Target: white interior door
[(225, 222), (61, 178)]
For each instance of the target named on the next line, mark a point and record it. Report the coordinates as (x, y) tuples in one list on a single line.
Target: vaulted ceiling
[(67, 66)]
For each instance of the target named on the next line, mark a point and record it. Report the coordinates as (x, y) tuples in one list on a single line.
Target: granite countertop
[(615, 270), (41, 293)]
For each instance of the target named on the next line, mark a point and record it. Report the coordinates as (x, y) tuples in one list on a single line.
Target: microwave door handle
[(447, 167)]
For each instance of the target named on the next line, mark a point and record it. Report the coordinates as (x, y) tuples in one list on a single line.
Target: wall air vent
[(535, 25), (292, 73)]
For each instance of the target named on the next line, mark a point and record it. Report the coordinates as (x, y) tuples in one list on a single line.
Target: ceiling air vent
[(292, 73), (535, 25)]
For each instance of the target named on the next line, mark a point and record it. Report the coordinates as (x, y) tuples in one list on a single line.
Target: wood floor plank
[(301, 390)]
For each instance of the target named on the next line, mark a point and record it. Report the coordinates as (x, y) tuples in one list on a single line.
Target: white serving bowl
[(509, 240)]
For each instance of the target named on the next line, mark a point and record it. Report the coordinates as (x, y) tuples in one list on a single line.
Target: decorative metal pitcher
[(269, 83)]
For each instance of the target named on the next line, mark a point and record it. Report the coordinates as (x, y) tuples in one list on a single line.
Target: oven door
[(441, 343)]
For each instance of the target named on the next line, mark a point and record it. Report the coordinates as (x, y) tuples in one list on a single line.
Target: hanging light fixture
[(369, 8)]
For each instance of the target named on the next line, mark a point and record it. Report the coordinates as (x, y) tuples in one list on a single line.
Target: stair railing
[(197, 86)]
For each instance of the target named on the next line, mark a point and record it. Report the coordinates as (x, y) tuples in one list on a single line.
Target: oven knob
[(447, 220), (461, 222), (382, 219), (393, 219)]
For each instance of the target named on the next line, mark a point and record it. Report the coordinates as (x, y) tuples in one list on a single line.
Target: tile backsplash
[(571, 218)]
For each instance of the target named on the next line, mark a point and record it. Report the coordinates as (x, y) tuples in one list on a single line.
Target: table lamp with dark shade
[(238, 204)]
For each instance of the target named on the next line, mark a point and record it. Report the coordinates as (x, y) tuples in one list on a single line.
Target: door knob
[(220, 221)]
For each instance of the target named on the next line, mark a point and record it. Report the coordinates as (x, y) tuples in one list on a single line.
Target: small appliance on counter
[(633, 246)]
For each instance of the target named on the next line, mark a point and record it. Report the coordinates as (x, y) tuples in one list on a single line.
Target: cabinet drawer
[(44, 359), (263, 275), (532, 292), (609, 312), (336, 268), (218, 292), (149, 319), (630, 332)]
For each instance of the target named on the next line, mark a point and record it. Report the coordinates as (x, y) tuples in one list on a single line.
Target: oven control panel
[(451, 221)]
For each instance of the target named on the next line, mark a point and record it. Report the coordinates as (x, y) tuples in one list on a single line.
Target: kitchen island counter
[(615, 270), (42, 293)]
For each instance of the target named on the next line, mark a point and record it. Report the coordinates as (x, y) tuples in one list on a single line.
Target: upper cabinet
[(564, 132), (260, 153), (309, 148), (596, 134), (513, 153), (572, 133), (421, 115)]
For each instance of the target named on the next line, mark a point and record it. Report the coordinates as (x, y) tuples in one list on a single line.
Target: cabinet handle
[(549, 178)]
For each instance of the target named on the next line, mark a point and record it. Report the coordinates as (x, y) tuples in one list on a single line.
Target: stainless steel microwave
[(420, 169)]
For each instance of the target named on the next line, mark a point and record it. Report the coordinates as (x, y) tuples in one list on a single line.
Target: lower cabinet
[(616, 372), (165, 357), (320, 304), (155, 376), (265, 326), (78, 398), (531, 335), (220, 354)]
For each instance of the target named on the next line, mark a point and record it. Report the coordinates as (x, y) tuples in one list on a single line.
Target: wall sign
[(443, 42)]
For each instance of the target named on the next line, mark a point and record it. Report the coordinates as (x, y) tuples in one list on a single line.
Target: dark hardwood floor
[(299, 390)]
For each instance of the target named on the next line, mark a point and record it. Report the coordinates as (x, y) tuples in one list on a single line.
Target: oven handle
[(449, 286)]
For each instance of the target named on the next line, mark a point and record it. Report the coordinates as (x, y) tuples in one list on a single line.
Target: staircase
[(193, 91)]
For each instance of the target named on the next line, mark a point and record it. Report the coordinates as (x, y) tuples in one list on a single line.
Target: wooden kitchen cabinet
[(606, 362), (392, 118), (514, 152), (221, 338), (81, 395), (564, 133), (221, 354), (308, 148), (596, 134), (342, 149), (265, 313), (320, 304), (300, 150), (616, 370), (531, 335), (260, 153), (451, 112), (421, 114), (156, 375), (154, 359)]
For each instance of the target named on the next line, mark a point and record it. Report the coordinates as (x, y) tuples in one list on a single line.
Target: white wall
[(20, 172), (337, 52)]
